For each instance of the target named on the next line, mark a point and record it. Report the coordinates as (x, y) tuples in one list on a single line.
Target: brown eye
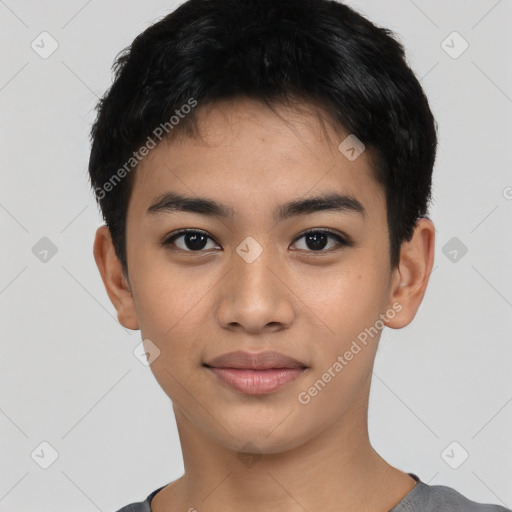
[(318, 240), (190, 241)]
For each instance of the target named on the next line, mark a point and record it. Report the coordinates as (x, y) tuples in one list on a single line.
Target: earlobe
[(410, 279), (116, 284)]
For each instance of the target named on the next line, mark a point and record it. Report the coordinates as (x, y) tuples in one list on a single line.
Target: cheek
[(173, 306), (347, 299), (168, 312), (350, 306), (166, 296)]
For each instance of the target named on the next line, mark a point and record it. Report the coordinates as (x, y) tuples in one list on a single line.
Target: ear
[(116, 284), (410, 279)]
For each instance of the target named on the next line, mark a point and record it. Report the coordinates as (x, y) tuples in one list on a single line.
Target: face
[(262, 269)]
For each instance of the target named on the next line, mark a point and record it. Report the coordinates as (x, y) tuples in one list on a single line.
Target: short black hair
[(319, 51)]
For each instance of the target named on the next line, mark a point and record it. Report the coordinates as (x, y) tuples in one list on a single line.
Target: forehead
[(249, 156)]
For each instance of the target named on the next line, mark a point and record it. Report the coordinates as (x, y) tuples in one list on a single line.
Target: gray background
[(67, 372)]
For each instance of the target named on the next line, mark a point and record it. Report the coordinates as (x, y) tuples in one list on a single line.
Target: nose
[(255, 297)]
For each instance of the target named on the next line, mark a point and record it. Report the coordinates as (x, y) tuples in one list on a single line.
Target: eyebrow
[(174, 202)]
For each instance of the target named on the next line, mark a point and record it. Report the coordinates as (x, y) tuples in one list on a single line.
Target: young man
[(264, 171)]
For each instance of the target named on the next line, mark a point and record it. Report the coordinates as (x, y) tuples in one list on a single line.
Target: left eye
[(317, 240), (197, 241)]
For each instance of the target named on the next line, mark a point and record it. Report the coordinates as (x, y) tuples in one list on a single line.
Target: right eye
[(189, 240)]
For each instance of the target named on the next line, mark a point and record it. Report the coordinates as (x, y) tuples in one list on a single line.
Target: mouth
[(255, 373)]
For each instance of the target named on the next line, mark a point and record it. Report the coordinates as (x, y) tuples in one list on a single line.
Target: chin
[(262, 437)]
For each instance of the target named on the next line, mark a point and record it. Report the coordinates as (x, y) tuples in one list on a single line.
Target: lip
[(254, 361), (255, 373)]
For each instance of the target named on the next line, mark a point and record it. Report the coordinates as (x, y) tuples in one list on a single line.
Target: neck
[(337, 469)]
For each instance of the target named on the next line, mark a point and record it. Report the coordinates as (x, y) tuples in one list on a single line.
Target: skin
[(310, 305)]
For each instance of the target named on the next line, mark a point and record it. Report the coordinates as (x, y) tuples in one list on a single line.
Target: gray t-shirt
[(421, 498)]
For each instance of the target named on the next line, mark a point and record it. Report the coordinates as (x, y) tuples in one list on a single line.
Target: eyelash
[(342, 241)]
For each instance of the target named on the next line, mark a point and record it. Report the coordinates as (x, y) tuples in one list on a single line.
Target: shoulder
[(141, 506), (439, 498)]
